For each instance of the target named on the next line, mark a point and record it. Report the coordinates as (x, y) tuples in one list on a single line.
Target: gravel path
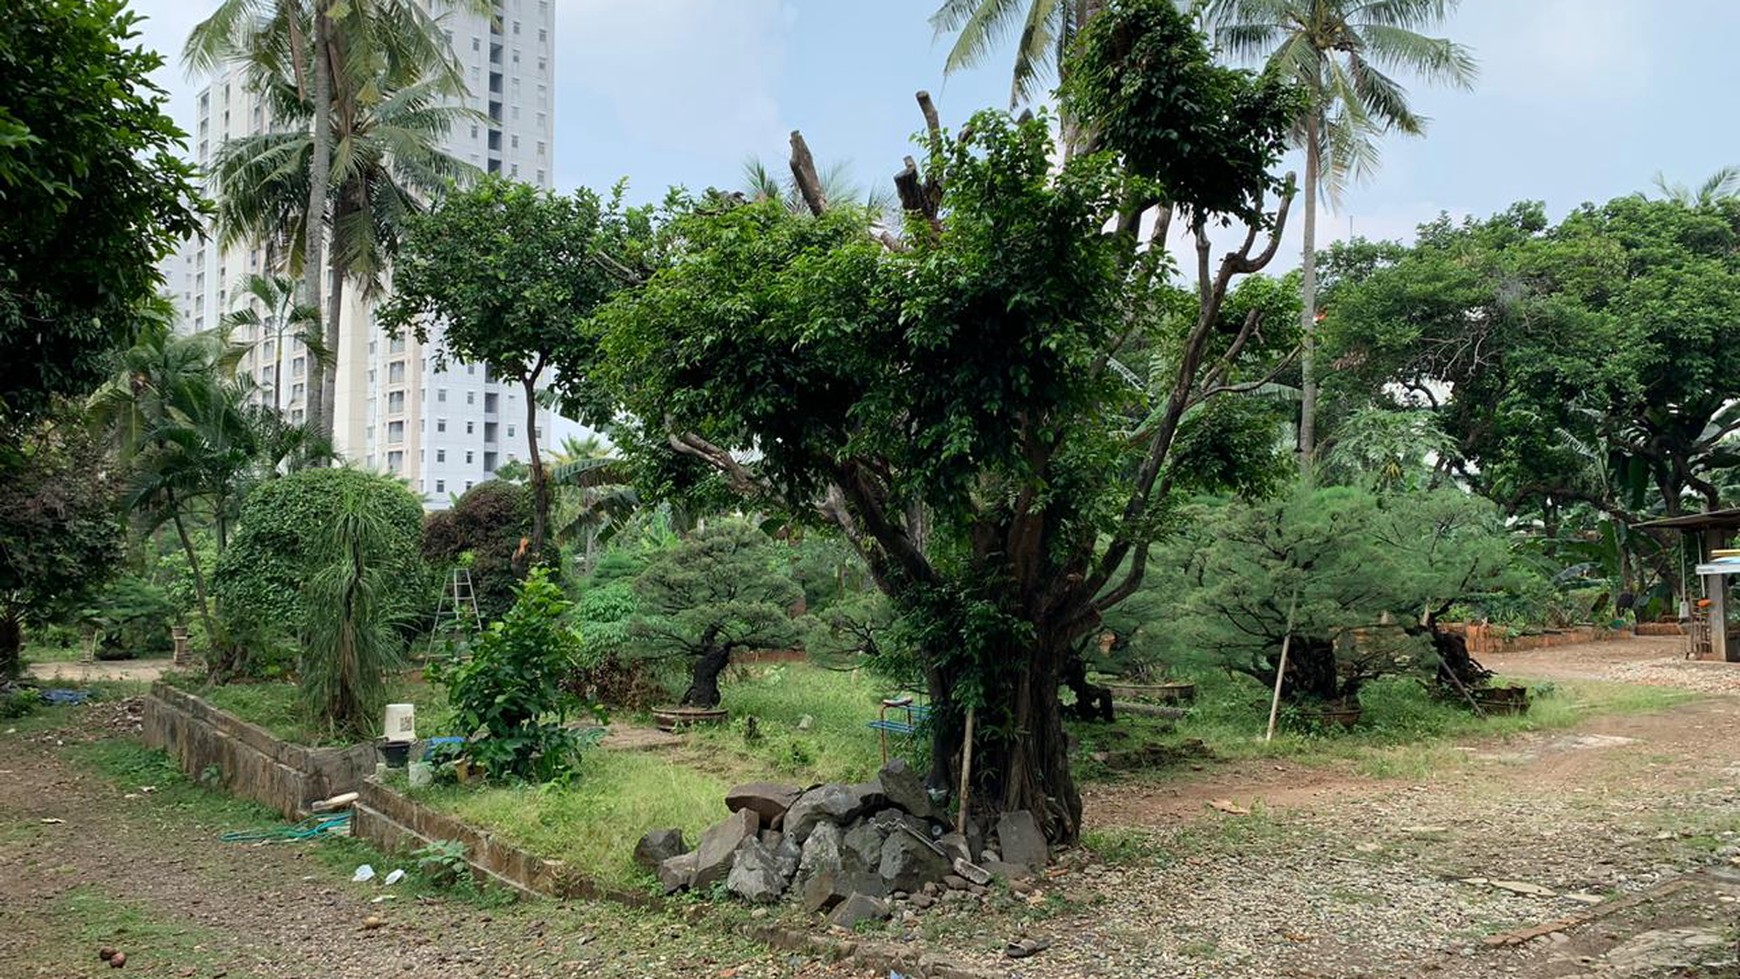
[(81, 858)]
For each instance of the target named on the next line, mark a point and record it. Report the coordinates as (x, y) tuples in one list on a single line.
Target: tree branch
[(803, 171)]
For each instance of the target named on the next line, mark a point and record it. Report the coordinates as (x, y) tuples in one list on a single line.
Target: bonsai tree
[(724, 589), (1355, 579)]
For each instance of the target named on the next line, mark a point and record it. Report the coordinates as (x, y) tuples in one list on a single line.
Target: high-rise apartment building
[(444, 427)]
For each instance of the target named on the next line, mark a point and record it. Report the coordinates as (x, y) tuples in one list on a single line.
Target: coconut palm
[(385, 161), (1342, 53), (1721, 185), (837, 182), (1047, 27), (335, 55)]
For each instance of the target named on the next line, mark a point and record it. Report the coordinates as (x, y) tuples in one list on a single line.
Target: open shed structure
[(1710, 634)]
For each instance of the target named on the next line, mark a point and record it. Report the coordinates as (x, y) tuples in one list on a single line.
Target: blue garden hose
[(308, 829)]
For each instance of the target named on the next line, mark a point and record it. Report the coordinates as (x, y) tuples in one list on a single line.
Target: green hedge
[(258, 581)]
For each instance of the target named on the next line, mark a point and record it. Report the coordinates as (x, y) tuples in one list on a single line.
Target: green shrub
[(508, 698), (488, 523), (132, 618), (260, 580)]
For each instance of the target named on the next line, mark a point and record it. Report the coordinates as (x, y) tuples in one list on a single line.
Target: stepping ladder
[(457, 614)]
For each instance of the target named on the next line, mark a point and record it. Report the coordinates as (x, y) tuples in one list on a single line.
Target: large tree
[(326, 64), (1340, 52), (1044, 31), (92, 191), (59, 533), (504, 275), (946, 401)]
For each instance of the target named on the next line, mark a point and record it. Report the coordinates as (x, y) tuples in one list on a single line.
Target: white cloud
[(690, 76)]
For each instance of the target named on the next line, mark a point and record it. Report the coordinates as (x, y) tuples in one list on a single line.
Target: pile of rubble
[(851, 851)]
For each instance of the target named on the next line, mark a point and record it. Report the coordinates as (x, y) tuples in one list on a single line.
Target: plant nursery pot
[(1171, 692), (677, 718), (395, 753), (1502, 700), (1331, 715)]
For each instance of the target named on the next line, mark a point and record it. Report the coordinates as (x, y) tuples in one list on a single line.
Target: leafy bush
[(261, 578), (351, 641), (442, 862), (508, 698), (132, 618), (490, 523), (606, 672)]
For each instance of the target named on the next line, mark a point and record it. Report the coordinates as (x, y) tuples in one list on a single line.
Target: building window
[(469, 456), (395, 345), (395, 402), (515, 141), (470, 427), (468, 484), (510, 431), (516, 27), (395, 462), (440, 455), (489, 403), (396, 372), (441, 486), (471, 397), (298, 367), (441, 424), (440, 394), (476, 44), (395, 433), (489, 462)]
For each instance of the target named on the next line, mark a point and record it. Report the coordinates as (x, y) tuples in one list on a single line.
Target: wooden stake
[(966, 774), (1281, 671)]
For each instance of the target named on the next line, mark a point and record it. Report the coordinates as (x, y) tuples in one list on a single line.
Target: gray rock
[(787, 856), (891, 819), (954, 882), (826, 888), (677, 872), (858, 908), (755, 875), (718, 847), (1007, 871), (955, 845), (923, 902), (862, 845), (806, 722), (822, 851), (971, 872), (770, 800), (909, 863), (1020, 841), (904, 789), (824, 804), (659, 845)]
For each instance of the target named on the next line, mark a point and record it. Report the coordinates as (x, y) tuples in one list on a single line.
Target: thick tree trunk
[(319, 175), (540, 484), (1312, 673), (1308, 304), (1020, 759), (329, 370), (704, 681), (11, 645)]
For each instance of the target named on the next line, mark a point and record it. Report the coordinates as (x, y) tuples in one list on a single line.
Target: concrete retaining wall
[(396, 823), (254, 764)]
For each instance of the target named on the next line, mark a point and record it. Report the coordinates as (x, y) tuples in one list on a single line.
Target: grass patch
[(838, 745), (85, 919), (1404, 733), (593, 822), (274, 706)]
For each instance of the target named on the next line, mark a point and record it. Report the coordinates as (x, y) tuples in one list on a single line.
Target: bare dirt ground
[(1616, 842), (140, 670)]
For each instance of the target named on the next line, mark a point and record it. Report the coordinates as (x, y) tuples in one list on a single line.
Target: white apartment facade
[(441, 427)]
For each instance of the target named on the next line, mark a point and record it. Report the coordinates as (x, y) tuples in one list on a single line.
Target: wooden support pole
[(1281, 670), (966, 774)]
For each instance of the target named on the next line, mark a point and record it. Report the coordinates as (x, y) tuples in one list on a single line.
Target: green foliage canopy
[(93, 191)]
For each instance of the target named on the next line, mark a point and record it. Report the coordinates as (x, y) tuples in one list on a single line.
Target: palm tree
[(837, 183), (1340, 51), (174, 411), (353, 645), (1721, 185), (319, 46), (268, 308), (385, 162), (1047, 28), (594, 492)]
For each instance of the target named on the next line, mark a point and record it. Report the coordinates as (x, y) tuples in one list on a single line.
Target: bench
[(909, 718)]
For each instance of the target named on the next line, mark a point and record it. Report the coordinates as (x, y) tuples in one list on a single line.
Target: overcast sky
[(1578, 100)]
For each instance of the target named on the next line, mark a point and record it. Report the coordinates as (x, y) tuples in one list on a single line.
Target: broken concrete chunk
[(1020, 840)]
